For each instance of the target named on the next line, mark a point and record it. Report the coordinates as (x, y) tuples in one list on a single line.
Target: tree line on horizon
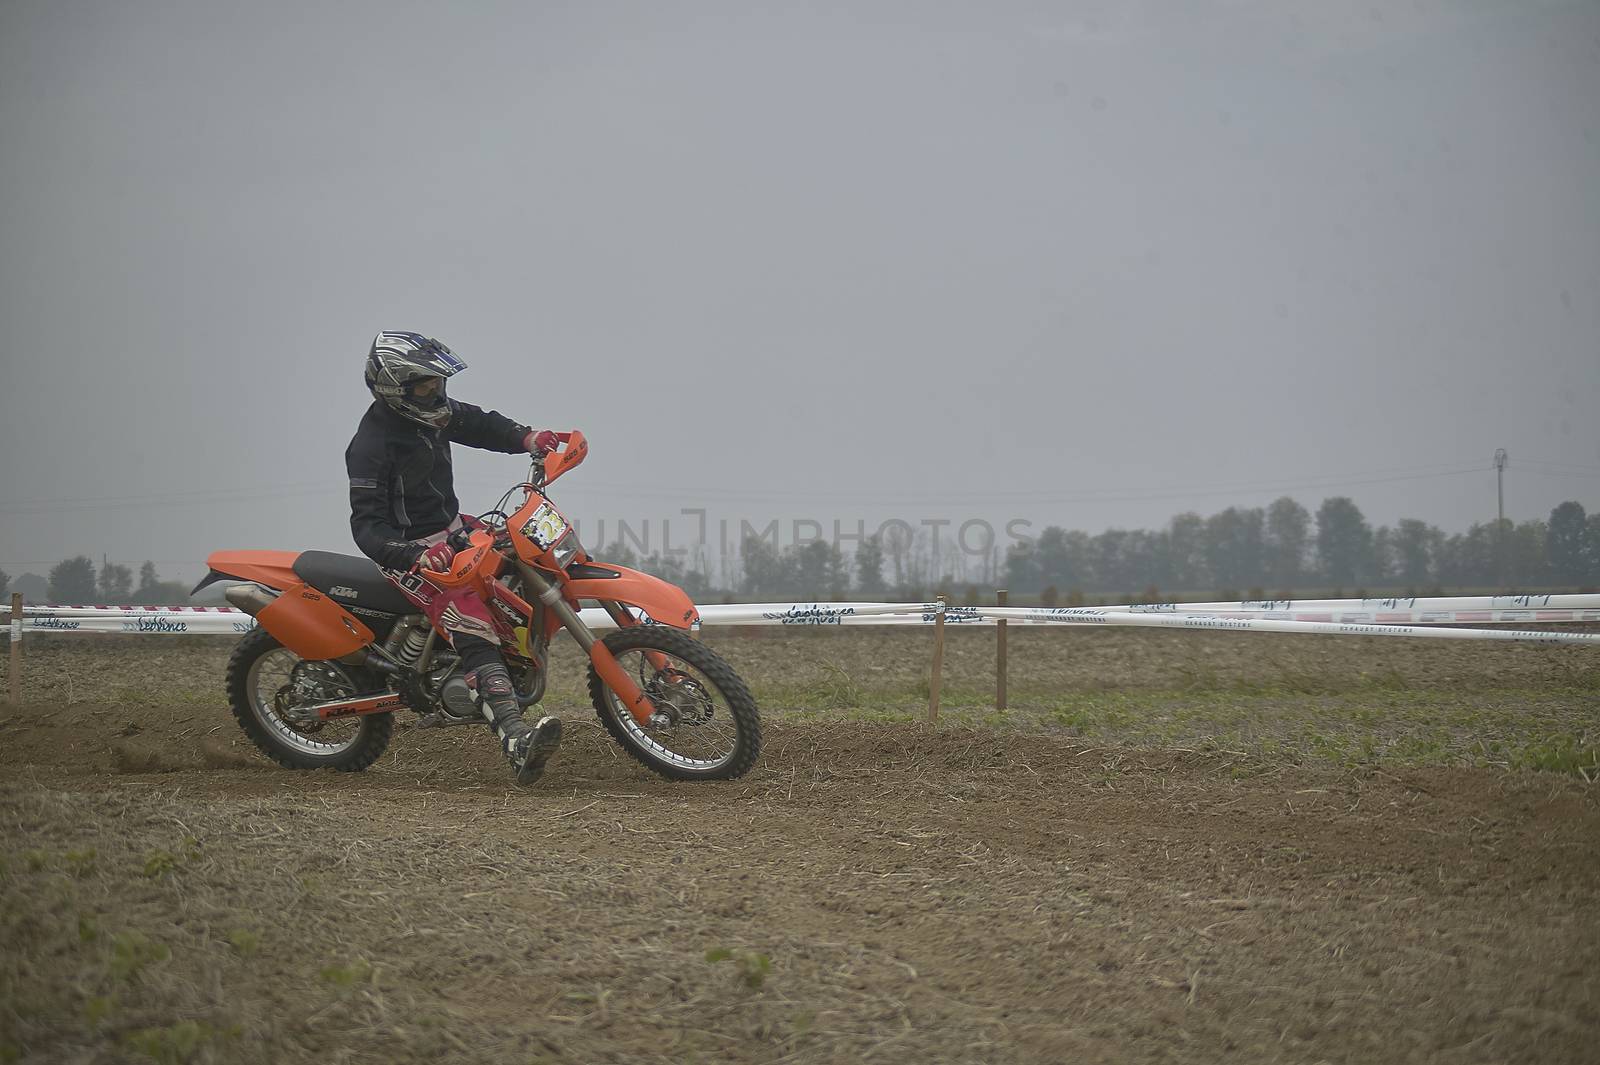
[(1239, 552), (76, 581), (1283, 546)]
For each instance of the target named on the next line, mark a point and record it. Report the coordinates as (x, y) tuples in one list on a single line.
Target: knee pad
[(492, 681)]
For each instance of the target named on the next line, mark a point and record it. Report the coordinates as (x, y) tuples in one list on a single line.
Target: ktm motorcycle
[(339, 648)]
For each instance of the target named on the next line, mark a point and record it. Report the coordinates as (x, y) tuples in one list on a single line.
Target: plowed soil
[(875, 890)]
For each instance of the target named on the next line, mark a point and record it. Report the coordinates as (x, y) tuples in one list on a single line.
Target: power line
[(121, 562), (1558, 468), (738, 495), (1316, 482), (147, 497), (1557, 462), (1036, 496), (1561, 473)]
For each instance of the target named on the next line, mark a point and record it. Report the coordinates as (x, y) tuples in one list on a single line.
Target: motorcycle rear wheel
[(709, 727), (255, 671)]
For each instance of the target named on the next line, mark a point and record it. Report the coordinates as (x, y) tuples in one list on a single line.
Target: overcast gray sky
[(1079, 263)]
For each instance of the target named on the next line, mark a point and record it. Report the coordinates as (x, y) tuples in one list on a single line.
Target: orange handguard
[(558, 462), (478, 563)]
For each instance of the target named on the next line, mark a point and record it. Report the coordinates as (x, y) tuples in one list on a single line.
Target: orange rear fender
[(275, 569), (667, 604)]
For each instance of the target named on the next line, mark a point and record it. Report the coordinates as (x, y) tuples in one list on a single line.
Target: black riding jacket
[(401, 485)]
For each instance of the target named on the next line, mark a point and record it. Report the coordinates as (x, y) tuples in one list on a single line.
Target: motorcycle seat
[(352, 580)]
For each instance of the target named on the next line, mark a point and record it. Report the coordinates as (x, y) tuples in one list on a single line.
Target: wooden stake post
[(1000, 655), (938, 664), (16, 647)]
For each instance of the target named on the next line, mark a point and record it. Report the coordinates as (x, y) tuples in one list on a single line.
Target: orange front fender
[(665, 603)]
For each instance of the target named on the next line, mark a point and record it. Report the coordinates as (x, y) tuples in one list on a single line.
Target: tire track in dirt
[(949, 895)]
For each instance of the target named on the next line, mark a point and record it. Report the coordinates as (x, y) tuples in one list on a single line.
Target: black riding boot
[(526, 747)]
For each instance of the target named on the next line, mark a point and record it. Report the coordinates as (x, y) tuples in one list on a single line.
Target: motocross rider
[(403, 508)]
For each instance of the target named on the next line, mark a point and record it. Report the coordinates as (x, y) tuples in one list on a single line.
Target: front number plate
[(545, 526)]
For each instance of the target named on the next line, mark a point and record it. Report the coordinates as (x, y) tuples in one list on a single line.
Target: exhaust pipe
[(251, 598)]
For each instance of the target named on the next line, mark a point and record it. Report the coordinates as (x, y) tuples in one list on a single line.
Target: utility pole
[(1500, 458)]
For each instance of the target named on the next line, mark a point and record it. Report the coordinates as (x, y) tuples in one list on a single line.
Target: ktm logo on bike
[(367, 706)]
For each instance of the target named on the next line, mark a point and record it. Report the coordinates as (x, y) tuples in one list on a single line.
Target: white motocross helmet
[(398, 361)]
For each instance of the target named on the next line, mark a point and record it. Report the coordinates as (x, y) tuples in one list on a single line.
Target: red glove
[(437, 557), (540, 442)]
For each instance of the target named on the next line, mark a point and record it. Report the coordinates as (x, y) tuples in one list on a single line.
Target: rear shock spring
[(411, 650)]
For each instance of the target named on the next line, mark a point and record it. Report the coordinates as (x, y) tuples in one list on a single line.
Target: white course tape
[(1383, 618), (1435, 610), (1458, 610), (1446, 602), (1099, 616), (771, 611), (804, 613), (781, 614), (199, 620)]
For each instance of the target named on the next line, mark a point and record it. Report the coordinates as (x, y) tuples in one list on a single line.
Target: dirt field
[(1177, 847)]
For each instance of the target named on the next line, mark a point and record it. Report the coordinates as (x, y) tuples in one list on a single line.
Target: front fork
[(605, 663), (620, 615)]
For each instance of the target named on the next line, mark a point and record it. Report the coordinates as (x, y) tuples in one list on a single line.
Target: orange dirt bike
[(340, 648)]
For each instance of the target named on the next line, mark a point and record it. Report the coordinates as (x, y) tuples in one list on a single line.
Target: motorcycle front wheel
[(706, 725), (266, 681)]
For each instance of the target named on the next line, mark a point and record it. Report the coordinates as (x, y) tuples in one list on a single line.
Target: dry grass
[(1027, 889)]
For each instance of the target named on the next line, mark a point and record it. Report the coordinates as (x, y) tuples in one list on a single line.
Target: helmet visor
[(425, 393)]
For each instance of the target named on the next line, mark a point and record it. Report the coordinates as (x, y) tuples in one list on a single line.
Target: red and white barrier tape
[(89, 610)]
